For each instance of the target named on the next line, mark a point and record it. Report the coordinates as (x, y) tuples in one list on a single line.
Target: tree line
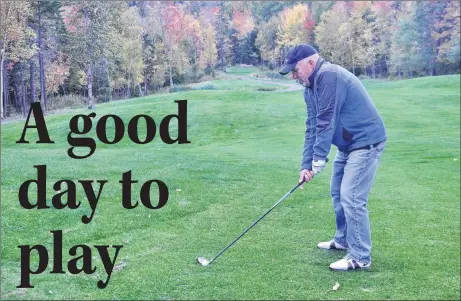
[(104, 50)]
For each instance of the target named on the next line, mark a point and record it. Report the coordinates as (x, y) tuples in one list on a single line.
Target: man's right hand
[(305, 175)]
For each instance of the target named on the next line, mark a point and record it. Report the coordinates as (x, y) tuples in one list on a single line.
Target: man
[(340, 112)]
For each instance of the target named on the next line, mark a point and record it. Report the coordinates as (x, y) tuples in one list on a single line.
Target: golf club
[(205, 262)]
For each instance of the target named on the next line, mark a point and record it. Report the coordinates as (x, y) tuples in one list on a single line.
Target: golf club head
[(203, 261)]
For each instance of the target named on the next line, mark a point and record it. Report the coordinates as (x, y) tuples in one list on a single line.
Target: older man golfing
[(340, 112)]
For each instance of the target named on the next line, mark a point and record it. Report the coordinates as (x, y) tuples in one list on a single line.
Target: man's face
[(302, 71)]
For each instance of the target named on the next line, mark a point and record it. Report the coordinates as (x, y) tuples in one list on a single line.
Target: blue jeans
[(353, 176)]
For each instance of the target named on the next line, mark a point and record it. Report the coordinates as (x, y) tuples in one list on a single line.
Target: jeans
[(353, 176)]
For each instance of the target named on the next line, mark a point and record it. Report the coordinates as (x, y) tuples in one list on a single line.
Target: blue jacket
[(339, 112)]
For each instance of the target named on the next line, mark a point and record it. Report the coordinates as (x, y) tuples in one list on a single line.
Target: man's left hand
[(318, 166)]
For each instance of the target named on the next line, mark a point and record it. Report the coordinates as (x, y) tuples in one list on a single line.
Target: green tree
[(266, 39), (427, 16), (416, 39), (405, 57), (263, 11), (221, 21)]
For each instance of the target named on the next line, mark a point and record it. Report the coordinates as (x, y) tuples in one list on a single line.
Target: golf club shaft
[(254, 223)]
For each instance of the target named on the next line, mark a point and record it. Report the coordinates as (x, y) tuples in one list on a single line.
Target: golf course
[(246, 132)]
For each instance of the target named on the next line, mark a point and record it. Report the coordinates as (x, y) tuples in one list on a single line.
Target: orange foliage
[(243, 22), (56, 73), (174, 20), (72, 20), (382, 7)]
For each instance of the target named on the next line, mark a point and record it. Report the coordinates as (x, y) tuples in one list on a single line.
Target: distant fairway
[(245, 154)]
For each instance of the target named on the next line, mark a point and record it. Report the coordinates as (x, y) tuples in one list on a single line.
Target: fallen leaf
[(178, 190), (119, 266), (336, 286)]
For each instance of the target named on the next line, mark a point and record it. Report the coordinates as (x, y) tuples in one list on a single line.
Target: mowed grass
[(241, 69), (244, 155)]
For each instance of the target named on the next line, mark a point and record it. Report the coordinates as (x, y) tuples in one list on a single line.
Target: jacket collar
[(316, 69)]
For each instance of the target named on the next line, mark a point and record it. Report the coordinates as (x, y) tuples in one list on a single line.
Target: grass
[(245, 153), (241, 69), (237, 84)]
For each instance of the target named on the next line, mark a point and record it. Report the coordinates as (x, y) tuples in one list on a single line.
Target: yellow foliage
[(208, 57), (447, 30), (15, 35), (292, 29)]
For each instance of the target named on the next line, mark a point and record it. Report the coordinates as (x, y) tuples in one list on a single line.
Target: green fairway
[(244, 155), (241, 69)]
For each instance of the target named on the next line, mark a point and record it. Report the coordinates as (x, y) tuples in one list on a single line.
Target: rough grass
[(245, 153)]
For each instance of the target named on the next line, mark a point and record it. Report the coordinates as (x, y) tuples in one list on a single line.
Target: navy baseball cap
[(296, 54)]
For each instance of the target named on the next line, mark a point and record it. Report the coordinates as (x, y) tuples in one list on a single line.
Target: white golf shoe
[(347, 264), (331, 245)]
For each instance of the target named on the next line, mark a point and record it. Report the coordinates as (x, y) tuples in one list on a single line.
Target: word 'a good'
[(102, 127)]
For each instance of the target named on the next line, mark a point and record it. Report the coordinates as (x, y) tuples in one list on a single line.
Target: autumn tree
[(15, 36), (266, 39), (242, 25), (220, 18), (172, 25), (356, 37), (319, 7), (385, 17), (130, 50), (87, 22), (154, 52), (296, 27), (208, 57), (328, 37), (416, 39), (447, 33), (429, 37), (405, 57), (49, 28), (101, 49)]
